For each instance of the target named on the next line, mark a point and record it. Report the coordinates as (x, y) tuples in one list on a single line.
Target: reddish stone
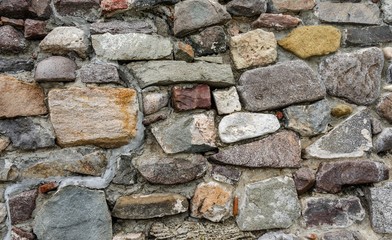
[(279, 115), (35, 29), (113, 5), (19, 234), (17, 23), (191, 98), (332, 176), (46, 187), (22, 206), (384, 108), (14, 8), (11, 40), (41, 8), (277, 21), (304, 180)]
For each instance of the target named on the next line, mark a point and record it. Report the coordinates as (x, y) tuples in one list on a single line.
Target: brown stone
[(113, 5), (277, 21), (304, 179), (4, 142), (78, 8), (35, 29), (55, 69), (155, 117), (191, 98), (332, 176), (22, 205), (100, 116), (47, 187), (184, 52), (341, 110), (11, 41), (19, 234), (384, 108), (20, 99), (14, 8), (17, 23), (41, 8), (292, 5)]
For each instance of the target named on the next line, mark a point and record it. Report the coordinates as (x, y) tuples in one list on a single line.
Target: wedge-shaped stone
[(149, 206), (351, 138), (99, 116), (131, 46), (380, 205), (279, 150), (172, 72), (279, 85)]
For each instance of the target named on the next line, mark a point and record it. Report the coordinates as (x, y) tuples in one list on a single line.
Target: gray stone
[(155, 117), (368, 36), (377, 126), (153, 101), (194, 14), (342, 235), (99, 73), (66, 216), (15, 65), (277, 209), (121, 27), (277, 236), (173, 72), (55, 69), (86, 9), (383, 141), (326, 212), (211, 40), (148, 4), (268, 88), (226, 100), (308, 120), (354, 76), (380, 205), (280, 150), (386, 7), (247, 8), (351, 138), (28, 133), (360, 13), (239, 126), (225, 174), (11, 41), (3, 212), (389, 74), (126, 173), (186, 133)]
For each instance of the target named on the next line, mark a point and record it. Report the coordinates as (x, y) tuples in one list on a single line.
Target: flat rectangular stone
[(368, 36)]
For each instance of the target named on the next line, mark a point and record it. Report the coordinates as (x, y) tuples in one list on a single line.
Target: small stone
[(34, 29), (184, 52), (126, 173), (198, 97), (387, 52), (276, 21), (239, 126), (342, 235), (384, 107), (383, 141), (121, 27), (16, 65), (154, 101), (377, 126), (149, 4), (212, 201), (11, 41), (47, 187), (14, 8), (308, 120), (20, 99), (341, 110), (267, 88), (389, 75), (106, 116), (99, 73), (277, 209), (247, 8), (277, 235), (155, 117), (17, 23), (355, 76), (328, 212), (351, 138), (108, 6), (226, 100), (331, 177), (41, 8), (55, 69), (359, 13), (3, 212), (186, 133), (63, 40), (368, 36), (145, 47), (309, 41), (280, 150), (4, 142), (87, 9), (304, 180), (254, 48), (290, 5), (22, 205), (149, 206), (19, 234), (386, 8), (380, 207), (194, 14), (211, 40), (130, 236), (225, 174)]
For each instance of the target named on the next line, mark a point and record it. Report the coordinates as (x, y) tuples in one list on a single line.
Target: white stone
[(387, 50), (227, 100)]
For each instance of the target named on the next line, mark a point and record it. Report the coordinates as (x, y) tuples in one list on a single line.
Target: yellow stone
[(341, 110), (311, 41)]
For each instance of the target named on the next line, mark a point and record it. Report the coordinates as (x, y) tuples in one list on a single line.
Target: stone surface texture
[(384, 107), (198, 97), (55, 69), (246, 8), (368, 36), (99, 73), (304, 179), (226, 100), (22, 206), (12, 41), (121, 27), (290, 5), (386, 7), (211, 40), (383, 141), (276, 21), (380, 207)]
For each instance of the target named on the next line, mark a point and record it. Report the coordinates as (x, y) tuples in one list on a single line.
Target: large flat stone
[(247, 8), (121, 27), (99, 116), (342, 235), (148, 4), (172, 72), (354, 76), (268, 88), (380, 205), (368, 36), (144, 46)]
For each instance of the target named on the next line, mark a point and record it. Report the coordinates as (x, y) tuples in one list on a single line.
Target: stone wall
[(195, 119)]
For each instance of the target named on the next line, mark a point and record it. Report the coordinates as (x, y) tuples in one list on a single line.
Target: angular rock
[(34, 29), (328, 212), (386, 8), (290, 5), (277, 21), (145, 47), (247, 8), (225, 174), (212, 201), (41, 8), (194, 14), (383, 141), (19, 234), (211, 40), (104, 117), (267, 88), (75, 220), (277, 235), (20, 99), (198, 97), (226, 100), (99, 73), (154, 101), (21, 206), (308, 120), (174, 72), (368, 36), (149, 206), (377, 126), (383, 107), (155, 117), (331, 177), (309, 41), (4, 142), (254, 48), (304, 179), (341, 110), (280, 150), (28, 133), (342, 235), (126, 173), (121, 27), (11, 41), (359, 13), (55, 69), (379, 199), (351, 138), (17, 23), (87, 9), (183, 52), (14, 8), (186, 133), (277, 209), (148, 4), (239, 126), (16, 65), (355, 76), (47, 187), (108, 6)]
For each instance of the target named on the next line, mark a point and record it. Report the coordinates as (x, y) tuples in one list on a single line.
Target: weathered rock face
[(12, 41), (87, 9), (211, 40), (384, 107), (342, 235), (267, 88), (15, 65), (226, 100), (368, 36), (341, 110), (22, 206), (225, 174), (383, 141), (75, 220), (380, 205), (386, 7), (153, 101), (277, 21), (147, 4), (121, 27), (198, 97), (290, 5), (41, 8), (108, 6), (246, 8), (277, 235), (99, 73), (4, 142), (99, 116), (183, 52), (304, 179), (55, 68), (19, 234), (14, 8), (34, 29)]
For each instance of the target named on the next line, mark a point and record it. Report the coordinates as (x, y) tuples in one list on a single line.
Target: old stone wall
[(195, 119)]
